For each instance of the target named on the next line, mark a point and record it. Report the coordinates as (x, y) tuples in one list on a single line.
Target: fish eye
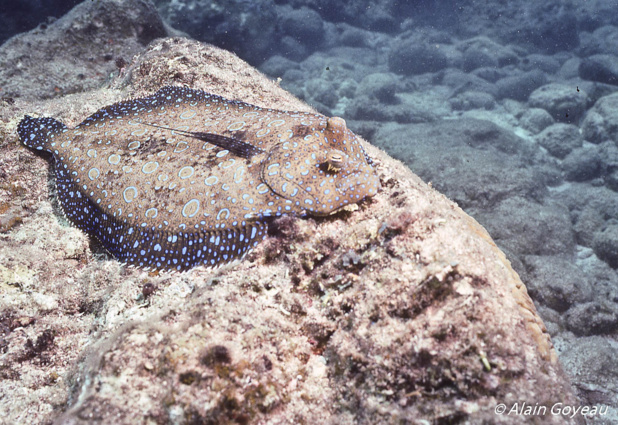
[(334, 160)]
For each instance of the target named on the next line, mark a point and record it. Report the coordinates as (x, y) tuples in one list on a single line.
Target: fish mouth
[(359, 184)]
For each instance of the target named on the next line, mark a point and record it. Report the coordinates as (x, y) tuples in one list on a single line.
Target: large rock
[(602, 119), (600, 68), (79, 51), (605, 245), (520, 86), (408, 56), (560, 139), (399, 311), (558, 284), (560, 100)]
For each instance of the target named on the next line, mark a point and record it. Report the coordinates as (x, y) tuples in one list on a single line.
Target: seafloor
[(509, 109)]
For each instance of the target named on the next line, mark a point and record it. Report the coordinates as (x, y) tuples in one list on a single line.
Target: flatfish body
[(184, 178)]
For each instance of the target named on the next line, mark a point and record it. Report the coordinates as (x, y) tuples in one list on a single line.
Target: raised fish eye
[(334, 160)]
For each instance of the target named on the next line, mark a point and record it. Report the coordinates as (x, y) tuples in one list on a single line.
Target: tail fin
[(37, 133)]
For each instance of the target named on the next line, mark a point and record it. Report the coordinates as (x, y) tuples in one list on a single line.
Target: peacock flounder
[(183, 178)]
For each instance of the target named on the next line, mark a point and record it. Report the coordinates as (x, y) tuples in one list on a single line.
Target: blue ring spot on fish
[(150, 167), (129, 194), (239, 174), (186, 172), (262, 189), (276, 123), (187, 115), (113, 159), (223, 214), (93, 173), (191, 208), (227, 164), (211, 181), (181, 147), (138, 133), (151, 213), (222, 153), (263, 132), (236, 126)]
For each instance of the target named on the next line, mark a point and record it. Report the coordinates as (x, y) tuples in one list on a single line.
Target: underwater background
[(508, 108)]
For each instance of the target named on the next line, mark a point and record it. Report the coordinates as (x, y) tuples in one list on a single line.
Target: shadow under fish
[(184, 178)]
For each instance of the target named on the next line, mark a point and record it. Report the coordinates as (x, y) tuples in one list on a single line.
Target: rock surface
[(401, 310)]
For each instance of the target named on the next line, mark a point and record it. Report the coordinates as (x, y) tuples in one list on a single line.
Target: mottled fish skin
[(183, 178)]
